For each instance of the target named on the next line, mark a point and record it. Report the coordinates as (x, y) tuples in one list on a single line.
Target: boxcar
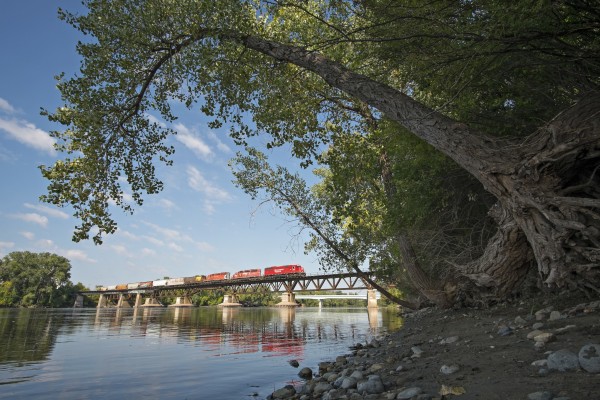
[(111, 287), (194, 279), (285, 270), (159, 282), (219, 276), (246, 273), (175, 281), (133, 285), (122, 286), (145, 284)]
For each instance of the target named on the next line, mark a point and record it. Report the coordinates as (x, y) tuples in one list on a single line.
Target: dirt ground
[(492, 352)]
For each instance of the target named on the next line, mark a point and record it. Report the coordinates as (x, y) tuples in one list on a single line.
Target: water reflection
[(235, 348)]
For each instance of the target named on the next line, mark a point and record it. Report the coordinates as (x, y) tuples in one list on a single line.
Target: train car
[(175, 281), (133, 285), (219, 276), (247, 273), (159, 282), (145, 285), (194, 279), (292, 269), (101, 288), (111, 287), (122, 286)]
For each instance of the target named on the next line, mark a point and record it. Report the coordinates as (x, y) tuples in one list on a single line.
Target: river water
[(173, 353)]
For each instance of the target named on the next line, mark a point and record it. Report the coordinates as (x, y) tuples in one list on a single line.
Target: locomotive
[(292, 269)]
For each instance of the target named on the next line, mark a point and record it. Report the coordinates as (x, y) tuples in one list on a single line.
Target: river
[(173, 353)]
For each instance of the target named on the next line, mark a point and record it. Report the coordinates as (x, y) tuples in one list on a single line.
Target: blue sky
[(199, 224)]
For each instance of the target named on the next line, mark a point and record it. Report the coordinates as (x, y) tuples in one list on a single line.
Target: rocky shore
[(525, 350)]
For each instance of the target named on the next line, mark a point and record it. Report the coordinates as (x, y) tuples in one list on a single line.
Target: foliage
[(36, 280)]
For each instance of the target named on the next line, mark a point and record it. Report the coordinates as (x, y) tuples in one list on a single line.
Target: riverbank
[(510, 351)]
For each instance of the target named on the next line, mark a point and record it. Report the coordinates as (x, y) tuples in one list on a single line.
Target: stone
[(555, 315), (537, 325), (375, 368), (519, 321), (349, 383), (373, 385), (450, 340), (539, 396), (357, 375), (449, 369), (416, 351), (321, 388), (539, 363), (409, 393), (589, 358), (545, 337), (563, 360), (533, 334), (284, 392), (341, 360), (294, 363), (334, 394), (504, 331), (305, 373)]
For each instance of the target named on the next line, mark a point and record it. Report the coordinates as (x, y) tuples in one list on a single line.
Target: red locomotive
[(219, 276), (285, 270), (247, 273)]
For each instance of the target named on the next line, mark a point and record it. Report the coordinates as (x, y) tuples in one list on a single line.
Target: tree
[(35, 280), (306, 70)]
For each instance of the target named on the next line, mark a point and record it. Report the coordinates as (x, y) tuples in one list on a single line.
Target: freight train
[(292, 270)]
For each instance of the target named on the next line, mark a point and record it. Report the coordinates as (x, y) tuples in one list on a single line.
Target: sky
[(199, 224)]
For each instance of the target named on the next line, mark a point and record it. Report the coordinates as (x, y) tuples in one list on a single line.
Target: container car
[(246, 273), (175, 281), (292, 269), (194, 279), (219, 276), (159, 282)]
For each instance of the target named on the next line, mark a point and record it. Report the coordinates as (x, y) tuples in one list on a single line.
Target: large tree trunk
[(547, 185)]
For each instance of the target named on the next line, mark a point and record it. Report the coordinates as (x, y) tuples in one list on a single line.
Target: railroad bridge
[(286, 284)]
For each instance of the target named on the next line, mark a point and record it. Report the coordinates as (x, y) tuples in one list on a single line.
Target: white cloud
[(127, 234), (33, 217), (148, 252), (192, 141), (175, 247), (26, 133), (220, 145), (78, 255), (120, 249), (154, 120), (6, 107), (46, 244), (154, 241), (200, 184), (28, 235), (53, 212), (203, 246), (167, 204)]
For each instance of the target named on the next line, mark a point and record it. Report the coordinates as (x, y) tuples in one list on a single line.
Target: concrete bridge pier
[(183, 301), (78, 301), (102, 301), (138, 300), (231, 300), (288, 300), (371, 298), (123, 302)]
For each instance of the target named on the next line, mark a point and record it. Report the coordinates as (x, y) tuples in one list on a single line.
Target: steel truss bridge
[(287, 284)]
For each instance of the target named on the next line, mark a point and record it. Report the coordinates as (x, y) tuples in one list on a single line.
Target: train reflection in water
[(226, 331)]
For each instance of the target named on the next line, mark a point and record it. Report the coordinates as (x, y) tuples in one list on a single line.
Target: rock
[(349, 383), (589, 358), (449, 369), (416, 351), (373, 385), (533, 334), (449, 340), (537, 325), (545, 337), (504, 331), (305, 373), (539, 396), (519, 321), (555, 315), (409, 393), (565, 328), (563, 360), (539, 363), (357, 375), (334, 394), (284, 393), (321, 388), (325, 367), (294, 363), (341, 360), (375, 368)]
